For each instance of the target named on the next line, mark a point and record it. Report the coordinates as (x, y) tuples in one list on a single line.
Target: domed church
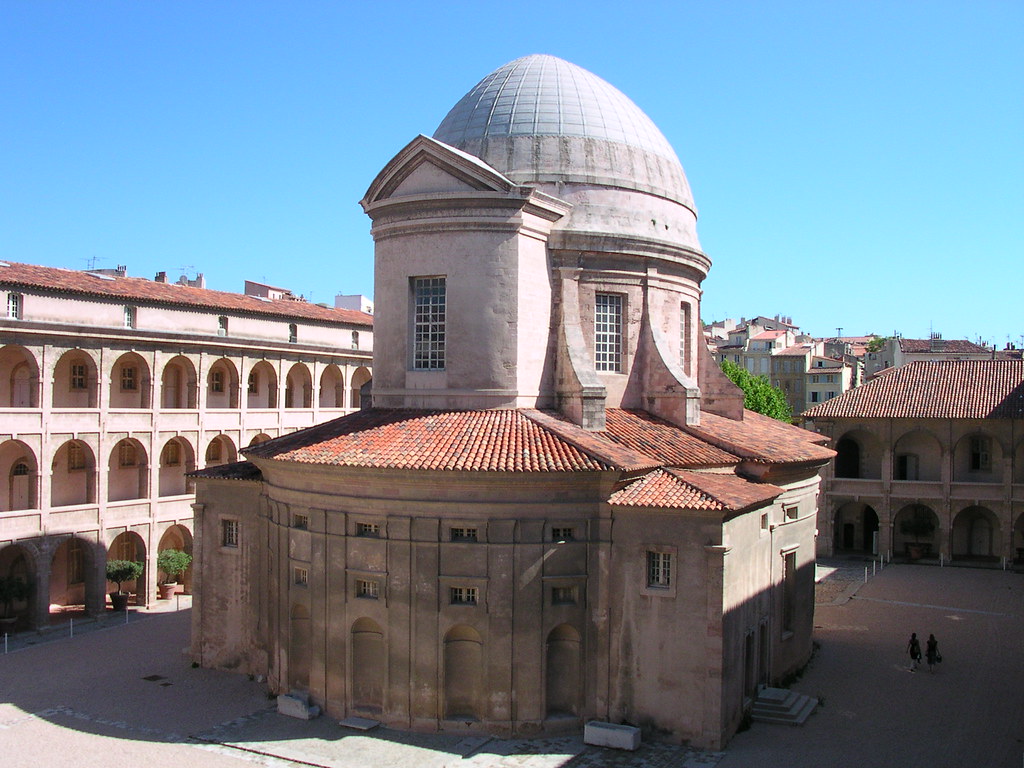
[(552, 507)]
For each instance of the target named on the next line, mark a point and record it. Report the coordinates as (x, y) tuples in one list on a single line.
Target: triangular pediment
[(427, 166)]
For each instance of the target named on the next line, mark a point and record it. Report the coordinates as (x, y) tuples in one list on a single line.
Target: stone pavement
[(127, 693)]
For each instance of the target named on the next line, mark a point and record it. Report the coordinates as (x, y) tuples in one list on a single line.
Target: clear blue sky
[(855, 164)]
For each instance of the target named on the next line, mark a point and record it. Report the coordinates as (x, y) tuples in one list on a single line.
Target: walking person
[(931, 652), (914, 649)]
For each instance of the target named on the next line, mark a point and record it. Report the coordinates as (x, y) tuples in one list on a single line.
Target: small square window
[(229, 533), (129, 379), (368, 530), (78, 377), (301, 576), (563, 595), (463, 534), (659, 570), (563, 534), (791, 511), (300, 521), (222, 326), (76, 457), (462, 595), (368, 589)]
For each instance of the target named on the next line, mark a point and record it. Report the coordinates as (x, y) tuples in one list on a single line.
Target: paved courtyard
[(127, 693)]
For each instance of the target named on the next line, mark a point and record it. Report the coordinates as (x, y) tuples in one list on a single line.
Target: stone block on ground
[(297, 705), (612, 735)]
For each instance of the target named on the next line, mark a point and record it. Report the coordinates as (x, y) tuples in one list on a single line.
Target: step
[(778, 705)]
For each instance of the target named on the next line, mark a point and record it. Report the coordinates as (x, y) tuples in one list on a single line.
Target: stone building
[(930, 463), (556, 508), (113, 388)]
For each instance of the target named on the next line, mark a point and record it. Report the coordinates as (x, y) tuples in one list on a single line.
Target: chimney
[(161, 277)]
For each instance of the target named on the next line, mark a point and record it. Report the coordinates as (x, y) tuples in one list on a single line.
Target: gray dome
[(546, 96), (542, 120)]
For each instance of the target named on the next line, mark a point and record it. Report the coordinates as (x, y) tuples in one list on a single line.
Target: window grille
[(429, 323), (659, 569), (608, 332)]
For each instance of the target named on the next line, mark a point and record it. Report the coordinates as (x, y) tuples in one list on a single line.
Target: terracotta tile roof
[(768, 335), (237, 470), (680, 489), (666, 442), (501, 440), (139, 289), (761, 439), (944, 346), (954, 389)]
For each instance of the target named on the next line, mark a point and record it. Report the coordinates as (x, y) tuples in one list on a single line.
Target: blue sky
[(855, 165)]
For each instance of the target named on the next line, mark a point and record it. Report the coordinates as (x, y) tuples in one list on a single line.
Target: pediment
[(427, 166)]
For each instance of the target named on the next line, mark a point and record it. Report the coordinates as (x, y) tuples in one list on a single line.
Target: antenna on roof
[(839, 332), (90, 263)]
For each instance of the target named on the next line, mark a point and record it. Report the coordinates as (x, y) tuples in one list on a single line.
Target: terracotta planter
[(167, 590), (119, 600)]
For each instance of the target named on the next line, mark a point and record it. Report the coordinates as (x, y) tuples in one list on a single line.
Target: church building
[(552, 506)]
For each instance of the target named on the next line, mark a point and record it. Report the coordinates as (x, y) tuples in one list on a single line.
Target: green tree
[(758, 393)]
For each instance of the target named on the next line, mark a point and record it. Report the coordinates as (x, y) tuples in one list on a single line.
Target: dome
[(542, 119)]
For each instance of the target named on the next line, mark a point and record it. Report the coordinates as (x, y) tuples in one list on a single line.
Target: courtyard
[(127, 692)]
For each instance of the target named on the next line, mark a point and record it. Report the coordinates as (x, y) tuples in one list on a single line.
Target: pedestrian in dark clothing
[(932, 652), (914, 649)]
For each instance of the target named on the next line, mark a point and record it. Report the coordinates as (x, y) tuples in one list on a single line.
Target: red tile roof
[(666, 442), (500, 440), (954, 389), (680, 489), (768, 335), (138, 289), (761, 439), (943, 346), (237, 470)]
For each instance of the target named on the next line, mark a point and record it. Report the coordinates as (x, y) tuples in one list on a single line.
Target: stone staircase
[(778, 705)]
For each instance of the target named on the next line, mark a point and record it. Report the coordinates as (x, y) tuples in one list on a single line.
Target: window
[(20, 469), (371, 530), (216, 380), (293, 333), (355, 339), (562, 534), (829, 395), (463, 534), (659, 570), (791, 511), (229, 533), (563, 595), (301, 576), (462, 595), (213, 451), (76, 562), (906, 467), (126, 455), (788, 591), (367, 589), (815, 379), (608, 332), (815, 397), (78, 377), (76, 457), (129, 317), (981, 454), (222, 326), (126, 548), (14, 301), (254, 383), (129, 380), (684, 334), (429, 296), (764, 521), (172, 455), (300, 521)]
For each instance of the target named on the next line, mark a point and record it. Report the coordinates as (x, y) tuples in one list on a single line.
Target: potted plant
[(13, 589), (918, 524), (117, 572), (172, 563)]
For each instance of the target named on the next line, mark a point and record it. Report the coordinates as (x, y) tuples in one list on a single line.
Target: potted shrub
[(13, 589), (172, 563), (918, 524), (117, 572)]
